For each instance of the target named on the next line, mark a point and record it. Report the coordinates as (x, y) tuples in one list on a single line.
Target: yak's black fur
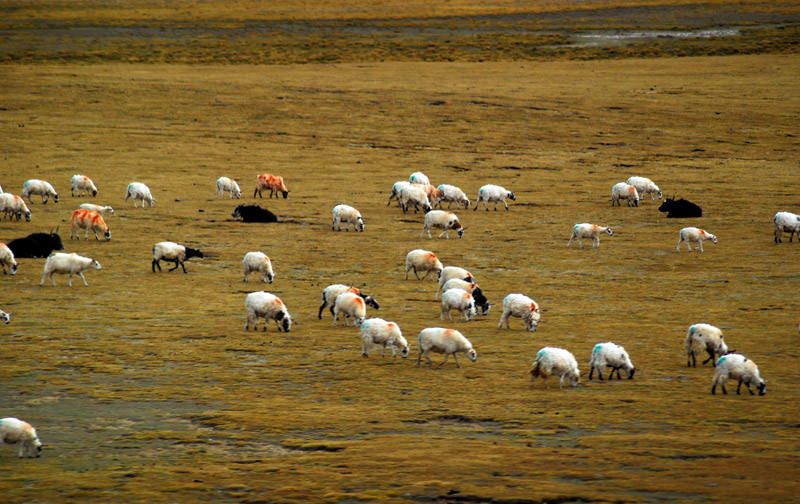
[(254, 213), (36, 245)]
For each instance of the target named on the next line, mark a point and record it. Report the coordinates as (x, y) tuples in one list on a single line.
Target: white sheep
[(413, 195), (520, 306), (270, 307), (17, 432), (352, 305), (496, 193), (644, 186), (227, 184), (786, 221), (173, 252), (444, 341), (331, 292), (452, 194), (12, 205), (376, 331), (259, 262), (348, 214), (419, 178), (137, 190), (450, 272), (461, 300), (82, 185), (693, 234), (739, 367), (610, 355), (457, 283), (7, 259), (101, 209), (551, 361), (40, 187), (73, 263), (442, 219), (5, 317), (704, 337), (423, 260), (624, 191), (397, 190), (586, 230)]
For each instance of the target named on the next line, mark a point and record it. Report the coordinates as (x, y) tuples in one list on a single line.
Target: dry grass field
[(145, 387)]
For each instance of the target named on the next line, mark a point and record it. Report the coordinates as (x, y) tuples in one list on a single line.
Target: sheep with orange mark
[(461, 300), (444, 341), (61, 262), (551, 361), (471, 287), (587, 230), (92, 221), (7, 259), (493, 193), (14, 431), (230, 185), (40, 187), (258, 262), (786, 221), (738, 367), (137, 190), (432, 192), (273, 183), (82, 185), (12, 205), (704, 337), (696, 235), (269, 307), (644, 186), (419, 178), (452, 194), (331, 292), (423, 260), (520, 306), (442, 219), (376, 331), (350, 305), (349, 215), (450, 272), (414, 195), (624, 191), (101, 209)]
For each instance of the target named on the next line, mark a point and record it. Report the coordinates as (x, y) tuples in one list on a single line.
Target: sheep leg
[(70, 280), (570, 240), (580, 243), (444, 233), (80, 274), (324, 304), (691, 356), (700, 245), (504, 202), (176, 265), (156, 262), (446, 356), (679, 244), (710, 358), (503, 317)]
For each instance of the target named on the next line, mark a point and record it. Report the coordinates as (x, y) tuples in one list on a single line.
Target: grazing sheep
[(258, 261), (419, 178), (376, 331), (40, 187), (587, 230), (254, 213), (520, 306), (680, 208), (5, 317), (552, 361), (331, 292), (397, 190), (7, 259), (431, 192), (623, 191), (644, 186), (705, 337), (491, 192), (444, 341), (101, 209), (266, 305), (452, 194), (173, 252), (423, 260), (693, 234), (137, 190), (68, 263), (739, 367), (36, 245), (352, 305), (417, 196), (450, 272), (460, 300), (471, 287), (442, 219), (82, 185), (89, 220), (272, 182), (227, 184), (610, 355), (14, 206), (15, 431), (348, 214), (786, 221)]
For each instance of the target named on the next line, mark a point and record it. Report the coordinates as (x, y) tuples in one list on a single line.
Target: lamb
[(452, 272), (460, 300), (412, 194), (5, 317), (348, 214), (61, 262), (40, 187), (89, 220), (419, 178), (82, 185), (786, 221), (12, 205), (587, 230), (173, 252), (352, 305), (7, 259), (423, 260), (491, 192), (520, 306), (274, 183), (376, 331), (254, 213), (266, 305), (442, 219), (643, 186), (706, 337), (137, 190), (15, 431), (551, 361), (610, 355), (444, 341), (258, 261), (623, 191), (738, 366), (471, 287), (101, 209), (227, 184), (452, 194), (331, 292), (693, 234)]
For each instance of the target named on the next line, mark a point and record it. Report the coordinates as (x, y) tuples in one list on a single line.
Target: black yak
[(680, 209), (254, 213)]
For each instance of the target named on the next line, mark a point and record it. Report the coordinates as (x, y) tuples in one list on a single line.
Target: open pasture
[(145, 387)]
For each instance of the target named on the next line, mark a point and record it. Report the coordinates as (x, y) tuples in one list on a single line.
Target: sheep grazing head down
[(285, 321)]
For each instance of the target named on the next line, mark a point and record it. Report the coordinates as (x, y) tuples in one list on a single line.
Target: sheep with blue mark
[(610, 355), (738, 367), (551, 361)]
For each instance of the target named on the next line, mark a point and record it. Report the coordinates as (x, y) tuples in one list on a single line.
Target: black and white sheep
[(444, 220), (173, 252), (738, 367), (450, 272), (68, 263), (5, 317), (704, 337), (414, 195), (268, 306), (7, 259), (610, 355), (444, 341), (477, 294), (331, 292), (461, 300)]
